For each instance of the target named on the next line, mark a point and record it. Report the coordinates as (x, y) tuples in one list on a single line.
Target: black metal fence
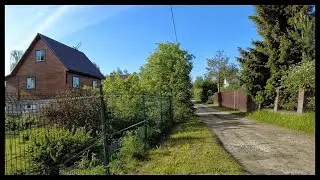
[(78, 132)]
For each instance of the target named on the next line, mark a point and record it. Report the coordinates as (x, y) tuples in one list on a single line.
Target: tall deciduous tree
[(168, 70), (232, 76), (15, 56), (217, 67)]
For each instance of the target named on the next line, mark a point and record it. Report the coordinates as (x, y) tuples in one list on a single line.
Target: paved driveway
[(261, 148)]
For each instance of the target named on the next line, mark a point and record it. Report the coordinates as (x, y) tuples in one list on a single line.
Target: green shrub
[(132, 146), (74, 112), (210, 99), (88, 161), (19, 123), (51, 148), (197, 93), (311, 103), (131, 149), (288, 99)]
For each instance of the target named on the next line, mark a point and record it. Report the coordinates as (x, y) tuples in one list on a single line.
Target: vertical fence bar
[(170, 108), (145, 122), (104, 133), (161, 118)]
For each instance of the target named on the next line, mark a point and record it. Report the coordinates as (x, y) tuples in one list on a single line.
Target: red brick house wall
[(49, 74), (83, 80)]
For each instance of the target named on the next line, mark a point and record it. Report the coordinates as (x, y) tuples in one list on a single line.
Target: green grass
[(98, 170), (191, 149), (15, 161), (299, 122)]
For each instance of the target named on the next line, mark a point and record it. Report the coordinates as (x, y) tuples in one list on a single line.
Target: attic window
[(40, 54)]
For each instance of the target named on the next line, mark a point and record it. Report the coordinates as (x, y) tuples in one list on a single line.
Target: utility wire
[(174, 25)]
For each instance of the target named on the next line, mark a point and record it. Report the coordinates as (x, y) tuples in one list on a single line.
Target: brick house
[(49, 66)]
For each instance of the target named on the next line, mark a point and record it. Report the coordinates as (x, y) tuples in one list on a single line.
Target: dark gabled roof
[(74, 60)]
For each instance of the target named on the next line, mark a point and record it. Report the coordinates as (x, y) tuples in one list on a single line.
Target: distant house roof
[(74, 60)]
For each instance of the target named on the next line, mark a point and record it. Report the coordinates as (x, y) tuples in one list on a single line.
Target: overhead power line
[(174, 25)]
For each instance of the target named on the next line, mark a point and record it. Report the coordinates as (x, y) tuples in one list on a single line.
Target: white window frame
[(34, 83), (96, 84), (44, 55), (73, 81)]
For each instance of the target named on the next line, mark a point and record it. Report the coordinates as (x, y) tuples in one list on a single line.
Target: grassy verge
[(191, 149), (300, 122)]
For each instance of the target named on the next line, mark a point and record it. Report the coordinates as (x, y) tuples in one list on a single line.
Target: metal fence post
[(145, 122), (161, 111), (170, 108), (104, 133)]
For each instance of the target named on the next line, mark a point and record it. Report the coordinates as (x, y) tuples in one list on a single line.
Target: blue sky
[(124, 36)]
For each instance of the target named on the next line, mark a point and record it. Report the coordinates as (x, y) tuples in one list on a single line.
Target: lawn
[(15, 161), (191, 149), (299, 122)]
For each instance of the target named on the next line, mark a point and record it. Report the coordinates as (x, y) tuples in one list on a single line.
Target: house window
[(75, 82), (31, 83), (95, 84), (40, 54)]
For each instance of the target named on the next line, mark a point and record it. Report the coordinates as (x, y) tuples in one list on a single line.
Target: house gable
[(49, 74), (30, 56)]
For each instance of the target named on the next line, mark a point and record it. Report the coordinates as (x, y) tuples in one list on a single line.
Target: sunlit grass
[(300, 122), (191, 149)]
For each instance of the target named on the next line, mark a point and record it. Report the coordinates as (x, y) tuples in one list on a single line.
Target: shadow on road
[(214, 119)]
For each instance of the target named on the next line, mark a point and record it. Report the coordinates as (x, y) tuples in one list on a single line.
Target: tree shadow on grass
[(177, 141)]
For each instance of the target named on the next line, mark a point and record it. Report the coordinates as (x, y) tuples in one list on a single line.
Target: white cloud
[(22, 23)]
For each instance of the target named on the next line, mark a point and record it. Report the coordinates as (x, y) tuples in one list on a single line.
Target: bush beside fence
[(66, 135)]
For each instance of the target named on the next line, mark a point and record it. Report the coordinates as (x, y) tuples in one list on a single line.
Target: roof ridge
[(59, 42), (73, 59)]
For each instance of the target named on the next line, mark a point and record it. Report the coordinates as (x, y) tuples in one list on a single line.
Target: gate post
[(301, 101), (276, 101), (104, 132)]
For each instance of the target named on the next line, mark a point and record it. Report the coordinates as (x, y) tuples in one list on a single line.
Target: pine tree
[(274, 25), (255, 71), (303, 33)]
